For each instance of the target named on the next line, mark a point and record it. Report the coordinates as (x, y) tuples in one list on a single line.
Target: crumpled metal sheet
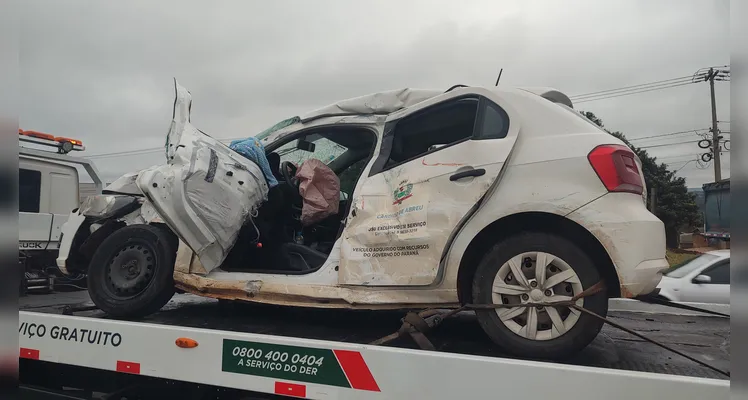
[(320, 189), (206, 191), (125, 184), (105, 206), (376, 103)]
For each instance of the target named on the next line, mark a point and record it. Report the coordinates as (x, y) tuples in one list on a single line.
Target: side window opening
[(493, 122), (442, 125), (345, 151), (29, 190), (720, 274)]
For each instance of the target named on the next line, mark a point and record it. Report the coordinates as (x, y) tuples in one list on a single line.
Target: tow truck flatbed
[(460, 343)]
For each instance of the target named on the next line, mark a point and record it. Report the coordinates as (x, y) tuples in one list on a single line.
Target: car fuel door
[(436, 161)]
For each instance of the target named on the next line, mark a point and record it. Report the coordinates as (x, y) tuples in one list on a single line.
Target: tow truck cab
[(48, 190)]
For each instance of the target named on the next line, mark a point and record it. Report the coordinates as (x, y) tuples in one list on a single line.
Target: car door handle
[(468, 173)]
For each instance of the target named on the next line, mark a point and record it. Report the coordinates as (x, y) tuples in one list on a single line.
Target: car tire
[(131, 273), (577, 336)]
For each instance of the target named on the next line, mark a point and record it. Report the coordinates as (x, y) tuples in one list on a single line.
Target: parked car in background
[(704, 279)]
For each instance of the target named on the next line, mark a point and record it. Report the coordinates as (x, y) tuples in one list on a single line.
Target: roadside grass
[(676, 258)]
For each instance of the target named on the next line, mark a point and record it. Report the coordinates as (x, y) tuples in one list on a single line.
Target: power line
[(142, 151), (668, 144), (607, 91), (677, 156), (671, 144), (587, 99), (696, 131), (683, 166), (126, 153), (634, 90)]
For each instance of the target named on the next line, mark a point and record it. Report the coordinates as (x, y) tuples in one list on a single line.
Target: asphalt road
[(703, 337)]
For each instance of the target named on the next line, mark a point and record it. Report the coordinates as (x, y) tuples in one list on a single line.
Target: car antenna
[(497, 79)]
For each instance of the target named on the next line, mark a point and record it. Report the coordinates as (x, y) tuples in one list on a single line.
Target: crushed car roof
[(387, 102), (381, 103)]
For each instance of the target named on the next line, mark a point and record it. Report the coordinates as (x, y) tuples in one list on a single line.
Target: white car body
[(541, 166), (446, 178), (705, 279)]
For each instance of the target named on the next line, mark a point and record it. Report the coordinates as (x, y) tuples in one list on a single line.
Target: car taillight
[(616, 167)]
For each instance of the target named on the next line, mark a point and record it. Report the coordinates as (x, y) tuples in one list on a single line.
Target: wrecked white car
[(397, 200)]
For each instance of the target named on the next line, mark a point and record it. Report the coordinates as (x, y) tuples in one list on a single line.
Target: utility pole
[(653, 199), (715, 132)]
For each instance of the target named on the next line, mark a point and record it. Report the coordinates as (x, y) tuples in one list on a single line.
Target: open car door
[(437, 161), (205, 192)]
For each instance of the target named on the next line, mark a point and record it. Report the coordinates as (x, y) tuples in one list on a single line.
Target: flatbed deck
[(704, 337)]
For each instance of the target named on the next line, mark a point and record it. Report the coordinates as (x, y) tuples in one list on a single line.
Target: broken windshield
[(280, 125), (325, 150)]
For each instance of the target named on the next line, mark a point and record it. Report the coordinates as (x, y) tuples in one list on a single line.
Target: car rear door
[(436, 161)]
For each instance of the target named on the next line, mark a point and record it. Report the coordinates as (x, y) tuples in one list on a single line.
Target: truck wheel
[(538, 267), (131, 273)]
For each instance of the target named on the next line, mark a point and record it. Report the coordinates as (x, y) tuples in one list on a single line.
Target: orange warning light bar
[(75, 142), (47, 136), (38, 135)]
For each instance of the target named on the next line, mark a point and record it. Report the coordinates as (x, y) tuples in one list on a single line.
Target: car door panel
[(403, 216), (717, 291), (205, 192)]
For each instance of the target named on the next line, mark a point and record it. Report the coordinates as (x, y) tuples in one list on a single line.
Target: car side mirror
[(702, 279)]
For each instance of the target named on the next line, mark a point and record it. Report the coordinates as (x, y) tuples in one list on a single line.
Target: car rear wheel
[(131, 273), (531, 268)]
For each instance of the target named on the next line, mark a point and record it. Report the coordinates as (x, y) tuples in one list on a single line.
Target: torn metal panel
[(184, 259), (304, 295), (375, 103), (206, 192), (107, 206), (125, 184), (146, 214)]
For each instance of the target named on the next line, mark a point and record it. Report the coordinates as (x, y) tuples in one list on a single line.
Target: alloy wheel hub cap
[(536, 277)]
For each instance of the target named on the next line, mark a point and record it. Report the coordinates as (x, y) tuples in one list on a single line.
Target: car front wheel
[(131, 273), (538, 268)]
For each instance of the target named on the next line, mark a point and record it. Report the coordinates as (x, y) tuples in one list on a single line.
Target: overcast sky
[(102, 71)]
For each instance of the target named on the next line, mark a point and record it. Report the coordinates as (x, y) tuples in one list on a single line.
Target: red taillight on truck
[(616, 167)]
